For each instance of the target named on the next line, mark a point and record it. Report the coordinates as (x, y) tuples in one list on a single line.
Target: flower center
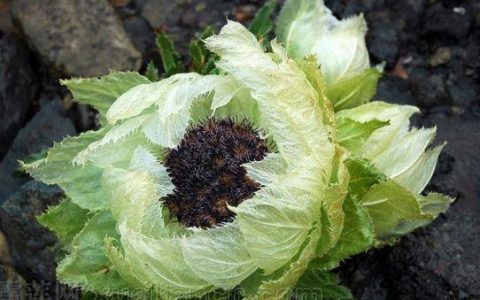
[(207, 173)]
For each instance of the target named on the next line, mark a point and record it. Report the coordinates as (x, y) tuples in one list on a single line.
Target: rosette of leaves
[(145, 213)]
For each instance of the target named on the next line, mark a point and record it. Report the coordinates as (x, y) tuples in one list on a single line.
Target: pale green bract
[(307, 27), (334, 185)]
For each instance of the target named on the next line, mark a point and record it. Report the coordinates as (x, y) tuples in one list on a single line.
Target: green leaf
[(173, 98), (393, 210), (203, 60), (262, 24), (274, 227), (219, 256), (221, 295), (279, 284), (357, 235), (93, 296), (122, 265), (298, 130), (309, 66), (171, 59), (405, 149), (434, 204), (135, 101), (267, 169), (352, 134), (167, 272), (81, 184), (88, 266), (416, 178), (362, 176), (152, 72), (242, 106), (172, 117), (19, 171), (307, 27), (320, 285), (66, 219), (299, 25), (396, 147), (198, 54), (102, 92), (334, 197), (131, 194), (211, 66), (281, 224), (352, 92), (105, 151)]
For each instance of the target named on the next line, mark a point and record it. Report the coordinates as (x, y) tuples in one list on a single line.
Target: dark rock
[(364, 275), (440, 261), (5, 19), (139, 3), (47, 126), (31, 245), (79, 38), (430, 90), (124, 8), (473, 53), (457, 62), (175, 19), (415, 63), (409, 11), (444, 165), (17, 88), (140, 33), (198, 15), (166, 14), (462, 132), (442, 21), (84, 117), (12, 285), (462, 90), (127, 11), (474, 7), (353, 7), (382, 43), (382, 37), (394, 90), (184, 19), (162, 12)]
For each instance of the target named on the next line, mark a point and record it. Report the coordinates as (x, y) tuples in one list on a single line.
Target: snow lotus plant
[(255, 182)]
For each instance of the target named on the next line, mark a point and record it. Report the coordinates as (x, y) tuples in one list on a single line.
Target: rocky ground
[(432, 52)]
